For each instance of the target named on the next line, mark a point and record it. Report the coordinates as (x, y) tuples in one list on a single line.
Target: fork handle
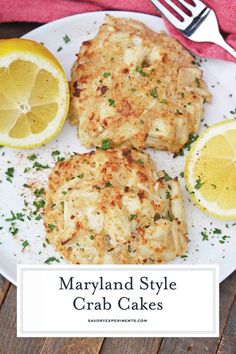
[(221, 42)]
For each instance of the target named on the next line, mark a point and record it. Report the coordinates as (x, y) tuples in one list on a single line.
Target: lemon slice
[(34, 95), (210, 170)]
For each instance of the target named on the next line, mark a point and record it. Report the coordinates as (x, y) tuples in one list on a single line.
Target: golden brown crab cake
[(114, 207), (135, 87)]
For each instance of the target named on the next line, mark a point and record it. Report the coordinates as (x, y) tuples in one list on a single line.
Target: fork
[(200, 25)]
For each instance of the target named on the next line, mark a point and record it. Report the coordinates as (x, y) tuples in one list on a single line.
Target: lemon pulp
[(211, 171), (33, 101)]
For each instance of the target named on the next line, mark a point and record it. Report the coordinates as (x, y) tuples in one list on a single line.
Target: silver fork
[(199, 26)]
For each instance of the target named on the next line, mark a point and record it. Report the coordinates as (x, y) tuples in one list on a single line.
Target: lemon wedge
[(210, 170), (34, 95)]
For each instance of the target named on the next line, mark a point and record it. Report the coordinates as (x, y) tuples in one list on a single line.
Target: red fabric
[(49, 10)]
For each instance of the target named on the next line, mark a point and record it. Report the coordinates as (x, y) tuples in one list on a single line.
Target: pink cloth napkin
[(49, 10)]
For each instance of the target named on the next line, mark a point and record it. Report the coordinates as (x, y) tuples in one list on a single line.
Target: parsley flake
[(66, 38), (51, 259), (132, 217), (106, 144), (204, 236), (32, 157), (153, 93), (10, 174), (139, 161), (197, 81), (25, 244), (39, 192), (167, 177), (217, 231), (38, 166), (51, 226), (111, 102), (198, 184), (16, 216), (13, 229), (140, 71), (163, 101)]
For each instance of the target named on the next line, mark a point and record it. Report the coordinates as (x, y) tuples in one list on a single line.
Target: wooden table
[(9, 344)]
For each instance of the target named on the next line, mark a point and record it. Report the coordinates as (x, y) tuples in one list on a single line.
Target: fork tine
[(176, 8), (171, 18), (186, 4), (199, 6)]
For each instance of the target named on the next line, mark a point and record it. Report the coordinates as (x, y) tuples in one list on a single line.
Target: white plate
[(81, 27)]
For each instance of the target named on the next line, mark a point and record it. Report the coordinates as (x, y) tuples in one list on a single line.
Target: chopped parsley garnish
[(51, 226), (26, 185), (187, 146), (38, 166), (177, 111), (51, 259), (233, 112), (25, 244), (81, 175), (198, 184), (13, 229), (108, 184), (167, 177), (204, 236), (106, 144), (217, 231), (181, 174), (38, 217), (129, 248), (184, 256), (140, 161), (91, 237), (111, 102), (140, 71), (55, 153), (164, 101), (32, 157), (132, 217), (16, 216), (106, 74), (39, 204), (192, 139), (197, 81), (213, 185), (66, 38), (153, 93), (59, 49), (39, 192), (168, 195), (10, 174)]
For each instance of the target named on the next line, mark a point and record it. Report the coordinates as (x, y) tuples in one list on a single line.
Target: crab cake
[(135, 87), (114, 207)]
